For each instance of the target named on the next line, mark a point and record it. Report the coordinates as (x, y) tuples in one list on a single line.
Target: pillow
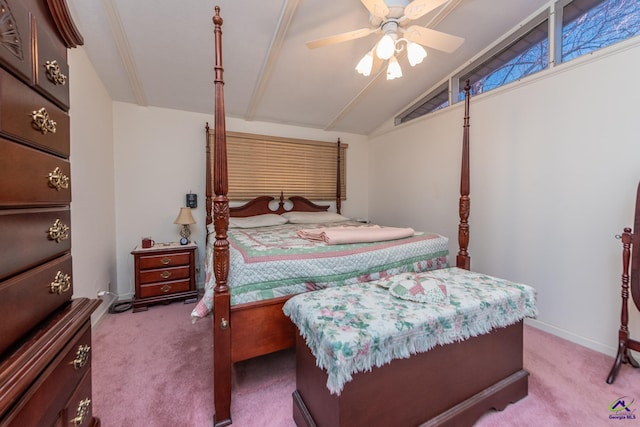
[(419, 288), (265, 220), (388, 281), (313, 217)]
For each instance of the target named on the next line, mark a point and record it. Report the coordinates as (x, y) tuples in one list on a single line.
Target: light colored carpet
[(154, 369)]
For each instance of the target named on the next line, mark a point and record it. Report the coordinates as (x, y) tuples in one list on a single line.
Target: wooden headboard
[(260, 205)]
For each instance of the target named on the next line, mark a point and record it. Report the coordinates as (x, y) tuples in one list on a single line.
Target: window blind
[(261, 165)]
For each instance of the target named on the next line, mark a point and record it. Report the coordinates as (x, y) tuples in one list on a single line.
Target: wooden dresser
[(45, 334)]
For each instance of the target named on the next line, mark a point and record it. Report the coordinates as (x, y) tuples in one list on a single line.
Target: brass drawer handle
[(165, 260), (81, 412), (165, 274), (165, 288), (58, 231), (42, 122), (61, 283), (82, 357), (53, 72), (58, 180)]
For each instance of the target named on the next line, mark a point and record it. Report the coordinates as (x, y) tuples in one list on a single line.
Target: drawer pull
[(165, 274), (165, 288), (165, 260), (81, 413), (42, 122), (53, 72), (82, 357), (58, 180), (58, 231), (61, 283)]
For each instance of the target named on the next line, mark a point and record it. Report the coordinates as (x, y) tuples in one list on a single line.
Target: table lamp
[(184, 218)]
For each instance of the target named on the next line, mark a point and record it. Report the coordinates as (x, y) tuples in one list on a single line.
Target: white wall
[(554, 170), (160, 156), (92, 182)]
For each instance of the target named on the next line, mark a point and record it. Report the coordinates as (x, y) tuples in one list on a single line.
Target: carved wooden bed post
[(221, 303), (463, 260)]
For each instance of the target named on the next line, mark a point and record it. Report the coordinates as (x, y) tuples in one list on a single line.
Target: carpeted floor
[(153, 369)]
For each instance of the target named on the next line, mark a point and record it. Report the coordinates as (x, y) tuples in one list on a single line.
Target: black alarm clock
[(184, 241)]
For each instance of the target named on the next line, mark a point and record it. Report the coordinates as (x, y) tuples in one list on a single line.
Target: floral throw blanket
[(353, 328)]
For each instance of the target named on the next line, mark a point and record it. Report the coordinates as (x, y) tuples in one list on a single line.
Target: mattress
[(269, 262)]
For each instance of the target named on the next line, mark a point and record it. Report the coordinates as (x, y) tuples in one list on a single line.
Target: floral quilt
[(353, 328), (268, 262)]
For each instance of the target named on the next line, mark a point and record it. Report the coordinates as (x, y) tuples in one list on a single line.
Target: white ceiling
[(160, 53)]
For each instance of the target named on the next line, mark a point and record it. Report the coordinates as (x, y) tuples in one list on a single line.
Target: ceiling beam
[(124, 49), (286, 15)]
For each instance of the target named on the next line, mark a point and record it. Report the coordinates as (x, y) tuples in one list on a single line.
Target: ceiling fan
[(391, 18)]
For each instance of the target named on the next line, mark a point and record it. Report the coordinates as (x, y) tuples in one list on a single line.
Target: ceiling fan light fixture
[(365, 65), (386, 47), (393, 70), (415, 53)]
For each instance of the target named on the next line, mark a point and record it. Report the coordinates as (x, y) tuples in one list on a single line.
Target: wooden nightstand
[(164, 273)]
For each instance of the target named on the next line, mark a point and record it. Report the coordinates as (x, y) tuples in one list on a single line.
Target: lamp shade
[(393, 70), (184, 217), (365, 65)]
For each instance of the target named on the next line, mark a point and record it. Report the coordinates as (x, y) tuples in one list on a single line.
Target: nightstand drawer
[(166, 288), (165, 274), (148, 262)]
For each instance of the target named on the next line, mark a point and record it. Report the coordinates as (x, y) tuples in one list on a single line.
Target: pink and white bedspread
[(269, 262)]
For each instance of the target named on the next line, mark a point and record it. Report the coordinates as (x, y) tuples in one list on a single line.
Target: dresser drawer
[(165, 288), (16, 36), (31, 118), (165, 260), (33, 236), (55, 388), (79, 410), (164, 274), (52, 69), (32, 178), (28, 298)]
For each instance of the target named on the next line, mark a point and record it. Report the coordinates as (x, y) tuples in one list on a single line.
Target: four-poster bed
[(248, 330)]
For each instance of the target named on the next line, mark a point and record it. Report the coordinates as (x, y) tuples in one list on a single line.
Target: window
[(589, 25), (586, 26), (432, 103), (527, 55), (259, 165)]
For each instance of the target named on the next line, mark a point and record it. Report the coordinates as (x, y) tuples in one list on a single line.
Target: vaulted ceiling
[(160, 53)]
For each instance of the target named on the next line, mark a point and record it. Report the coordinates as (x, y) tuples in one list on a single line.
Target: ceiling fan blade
[(377, 64), (376, 7), (417, 8), (432, 38), (339, 38)]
